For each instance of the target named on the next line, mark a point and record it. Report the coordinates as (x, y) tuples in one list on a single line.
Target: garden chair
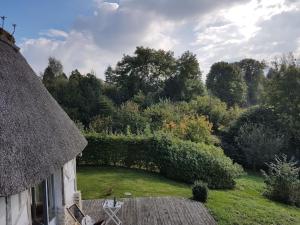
[(81, 218)]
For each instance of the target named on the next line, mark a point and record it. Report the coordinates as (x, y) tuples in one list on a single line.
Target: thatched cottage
[(38, 146)]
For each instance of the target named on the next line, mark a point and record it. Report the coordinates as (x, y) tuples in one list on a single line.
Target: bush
[(200, 191), (193, 128), (282, 181), (176, 159), (257, 116), (215, 110), (259, 144)]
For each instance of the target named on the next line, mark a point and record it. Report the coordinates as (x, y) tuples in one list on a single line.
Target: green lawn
[(243, 205), (101, 183)]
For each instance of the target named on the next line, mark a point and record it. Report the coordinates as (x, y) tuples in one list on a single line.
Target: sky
[(90, 35)]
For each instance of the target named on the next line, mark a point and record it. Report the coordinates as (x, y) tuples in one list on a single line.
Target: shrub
[(101, 124), (282, 181), (173, 158), (259, 144), (200, 191), (193, 128), (257, 116), (215, 110)]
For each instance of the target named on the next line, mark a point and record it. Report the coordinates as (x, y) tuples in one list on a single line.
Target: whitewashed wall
[(2, 210), (20, 204), (15, 209), (69, 174)]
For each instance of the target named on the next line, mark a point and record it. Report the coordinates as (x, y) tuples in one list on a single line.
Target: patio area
[(154, 211)]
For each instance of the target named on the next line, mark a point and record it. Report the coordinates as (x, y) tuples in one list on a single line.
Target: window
[(37, 209), (43, 202)]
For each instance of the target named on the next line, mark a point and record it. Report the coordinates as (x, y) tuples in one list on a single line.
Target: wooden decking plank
[(155, 211)]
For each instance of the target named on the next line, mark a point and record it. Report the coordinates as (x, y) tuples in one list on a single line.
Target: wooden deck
[(154, 211)]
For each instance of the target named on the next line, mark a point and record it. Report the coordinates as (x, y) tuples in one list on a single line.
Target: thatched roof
[(36, 135)]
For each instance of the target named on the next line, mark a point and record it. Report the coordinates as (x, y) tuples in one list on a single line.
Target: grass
[(243, 205), (107, 182), (246, 205)]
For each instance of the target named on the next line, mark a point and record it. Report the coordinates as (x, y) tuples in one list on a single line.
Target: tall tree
[(186, 83), (145, 71), (55, 65), (254, 77), (283, 95), (226, 81)]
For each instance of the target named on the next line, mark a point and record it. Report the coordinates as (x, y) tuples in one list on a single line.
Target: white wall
[(21, 203), (69, 174), (2, 210), (20, 208)]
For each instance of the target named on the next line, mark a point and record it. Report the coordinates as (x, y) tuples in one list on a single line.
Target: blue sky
[(89, 35), (34, 16)]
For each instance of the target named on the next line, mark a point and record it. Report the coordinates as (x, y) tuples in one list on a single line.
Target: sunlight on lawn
[(243, 205)]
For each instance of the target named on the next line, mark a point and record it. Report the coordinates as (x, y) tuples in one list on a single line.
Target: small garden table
[(111, 210)]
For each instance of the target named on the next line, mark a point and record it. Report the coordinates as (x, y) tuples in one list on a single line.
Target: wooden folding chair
[(79, 216)]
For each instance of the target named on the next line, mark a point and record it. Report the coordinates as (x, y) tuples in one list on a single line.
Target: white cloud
[(76, 51), (249, 30), (214, 30), (54, 33)]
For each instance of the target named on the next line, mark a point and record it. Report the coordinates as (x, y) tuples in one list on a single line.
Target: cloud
[(76, 51), (259, 29), (215, 30), (178, 10)]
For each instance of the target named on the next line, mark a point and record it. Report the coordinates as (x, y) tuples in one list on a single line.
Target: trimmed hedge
[(176, 159)]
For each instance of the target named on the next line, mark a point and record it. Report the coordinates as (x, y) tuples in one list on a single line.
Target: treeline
[(154, 90), (249, 108)]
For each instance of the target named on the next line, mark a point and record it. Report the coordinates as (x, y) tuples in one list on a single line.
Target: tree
[(259, 144), (48, 76), (282, 181), (283, 96), (186, 82), (128, 118), (254, 77), (217, 111), (257, 116), (193, 128), (55, 65), (226, 81), (109, 75), (145, 71)]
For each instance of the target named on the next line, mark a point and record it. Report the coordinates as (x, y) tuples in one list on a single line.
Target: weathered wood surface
[(154, 211)]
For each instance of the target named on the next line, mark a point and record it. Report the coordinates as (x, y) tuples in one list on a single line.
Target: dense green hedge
[(176, 159)]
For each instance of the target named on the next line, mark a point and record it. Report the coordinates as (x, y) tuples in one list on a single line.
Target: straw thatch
[(36, 135)]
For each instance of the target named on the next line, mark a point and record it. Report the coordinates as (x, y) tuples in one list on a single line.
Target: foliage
[(101, 124), (180, 160), (193, 128), (257, 116), (282, 181), (145, 71), (259, 144), (128, 116), (255, 79), (155, 74), (226, 81), (80, 96), (200, 191), (164, 111), (215, 110), (186, 83), (55, 66), (283, 96)]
